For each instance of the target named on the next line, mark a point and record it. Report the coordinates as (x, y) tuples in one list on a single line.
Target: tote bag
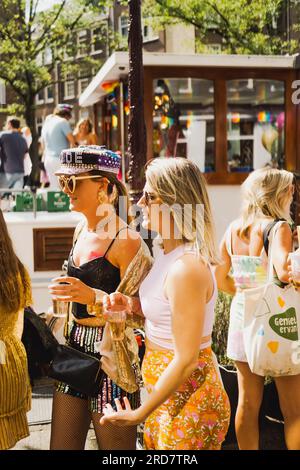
[(272, 326)]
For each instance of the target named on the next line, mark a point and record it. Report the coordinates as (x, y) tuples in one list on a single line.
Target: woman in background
[(84, 134), (267, 196), (15, 392)]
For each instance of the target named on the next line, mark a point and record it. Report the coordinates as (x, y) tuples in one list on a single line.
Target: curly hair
[(15, 286)]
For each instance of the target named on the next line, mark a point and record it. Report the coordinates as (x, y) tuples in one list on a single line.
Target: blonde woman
[(187, 407), (84, 134), (267, 195)]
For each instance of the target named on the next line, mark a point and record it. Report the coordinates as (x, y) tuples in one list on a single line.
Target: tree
[(25, 34), (244, 26)]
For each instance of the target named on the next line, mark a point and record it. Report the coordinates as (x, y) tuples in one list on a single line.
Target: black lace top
[(98, 273)]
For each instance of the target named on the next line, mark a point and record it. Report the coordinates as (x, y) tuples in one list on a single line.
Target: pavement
[(39, 419)]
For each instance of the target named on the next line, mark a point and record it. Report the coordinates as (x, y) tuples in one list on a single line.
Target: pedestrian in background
[(84, 134), (13, 152), (56, 136)]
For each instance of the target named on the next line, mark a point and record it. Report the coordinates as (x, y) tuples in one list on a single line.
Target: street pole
[(136, 128)]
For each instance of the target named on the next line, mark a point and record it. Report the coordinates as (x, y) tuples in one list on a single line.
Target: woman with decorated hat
[(105, 255)]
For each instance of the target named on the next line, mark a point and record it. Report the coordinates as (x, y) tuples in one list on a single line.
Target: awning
[(118, 65)]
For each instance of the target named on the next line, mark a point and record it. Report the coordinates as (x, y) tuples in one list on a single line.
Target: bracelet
[(97, 307)]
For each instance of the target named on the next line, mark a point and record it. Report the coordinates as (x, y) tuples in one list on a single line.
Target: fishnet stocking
[(70, 422), (112, 437)]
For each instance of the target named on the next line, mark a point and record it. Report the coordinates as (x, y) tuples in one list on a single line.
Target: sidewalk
[(39, 419)]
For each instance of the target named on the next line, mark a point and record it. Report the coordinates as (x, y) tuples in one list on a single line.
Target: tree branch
[(12, 84), (46, 31)]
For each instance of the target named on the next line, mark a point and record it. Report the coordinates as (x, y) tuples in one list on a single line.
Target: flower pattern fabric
[(196, 416)]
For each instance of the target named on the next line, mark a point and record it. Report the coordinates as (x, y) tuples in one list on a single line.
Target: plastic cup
[(295, 265), (116, 318), (60, 308)]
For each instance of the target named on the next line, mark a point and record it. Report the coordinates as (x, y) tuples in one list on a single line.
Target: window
[(255, 124), (82, 43), (123, 26), (82, 85), (69, 50), (69, 87), (40, 98), (39, 125), (49, 94), (148, 33), (84, 71), (97, 45), (184, 120)]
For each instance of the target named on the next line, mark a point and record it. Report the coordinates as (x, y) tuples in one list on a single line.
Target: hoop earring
[(101, 197)]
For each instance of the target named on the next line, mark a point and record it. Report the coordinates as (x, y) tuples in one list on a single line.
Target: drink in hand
[(116, 316)]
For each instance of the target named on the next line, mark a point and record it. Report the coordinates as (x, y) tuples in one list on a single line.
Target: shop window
[(255, 124), (184, 120)]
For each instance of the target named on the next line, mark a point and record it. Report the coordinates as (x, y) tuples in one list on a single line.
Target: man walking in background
[(13, 151), (56, 136)]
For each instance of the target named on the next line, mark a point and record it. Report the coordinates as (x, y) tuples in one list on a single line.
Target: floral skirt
[(196, 416)]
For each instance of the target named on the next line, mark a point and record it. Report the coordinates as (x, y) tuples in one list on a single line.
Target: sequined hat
[(87, 158)]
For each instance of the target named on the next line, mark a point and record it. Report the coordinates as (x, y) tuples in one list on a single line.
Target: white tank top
[(156, 307)]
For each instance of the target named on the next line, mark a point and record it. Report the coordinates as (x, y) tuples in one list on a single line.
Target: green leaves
[(241, 26)]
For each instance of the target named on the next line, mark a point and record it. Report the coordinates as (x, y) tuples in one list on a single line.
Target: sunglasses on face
[(149, 197), (68, 183)]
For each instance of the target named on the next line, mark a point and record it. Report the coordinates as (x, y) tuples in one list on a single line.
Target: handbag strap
[(267, 231), (275, 226)]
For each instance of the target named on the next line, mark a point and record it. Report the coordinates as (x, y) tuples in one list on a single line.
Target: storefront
[(229, 114)]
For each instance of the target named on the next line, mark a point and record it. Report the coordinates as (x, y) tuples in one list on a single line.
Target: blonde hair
[(82, 121), (264, 194), (179, 182)]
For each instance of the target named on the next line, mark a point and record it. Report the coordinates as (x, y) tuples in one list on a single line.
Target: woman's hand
[(117, 299), (122, 417), (71, 289)]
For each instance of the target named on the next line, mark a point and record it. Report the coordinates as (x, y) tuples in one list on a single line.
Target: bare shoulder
[(189, 269), (284, 231), (126, 246)]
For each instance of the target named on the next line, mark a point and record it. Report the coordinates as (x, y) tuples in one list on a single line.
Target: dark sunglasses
[(149, 197), (68, 183)]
